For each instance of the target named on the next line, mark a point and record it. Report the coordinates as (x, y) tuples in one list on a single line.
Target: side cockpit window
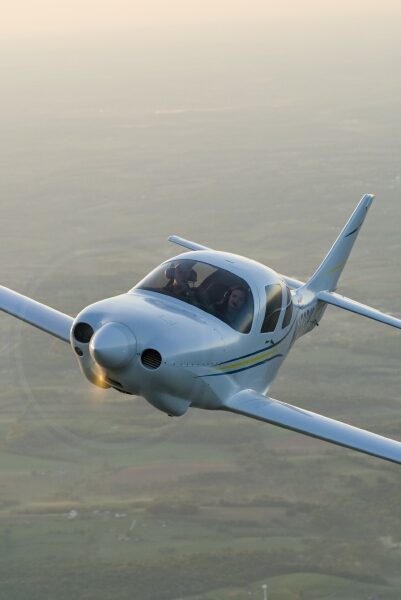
[(288, 310), (216, 291), (273, 307)]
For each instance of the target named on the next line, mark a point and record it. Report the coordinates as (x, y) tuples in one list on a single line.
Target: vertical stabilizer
[(328, 274)]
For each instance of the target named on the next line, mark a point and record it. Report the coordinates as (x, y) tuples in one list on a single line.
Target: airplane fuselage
[(176, 354), (210, 330)]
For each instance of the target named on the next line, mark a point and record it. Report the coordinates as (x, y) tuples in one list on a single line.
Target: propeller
[(113, 346)]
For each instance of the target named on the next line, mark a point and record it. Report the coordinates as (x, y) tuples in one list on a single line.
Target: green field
[(204, 489)]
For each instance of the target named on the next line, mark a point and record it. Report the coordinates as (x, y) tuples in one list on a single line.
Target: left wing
[(39, 315), (254, 405)]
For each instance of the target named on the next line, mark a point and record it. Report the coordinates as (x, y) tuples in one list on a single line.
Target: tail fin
[(328, 274)]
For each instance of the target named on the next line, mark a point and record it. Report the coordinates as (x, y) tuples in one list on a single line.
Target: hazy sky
[(47, 16)]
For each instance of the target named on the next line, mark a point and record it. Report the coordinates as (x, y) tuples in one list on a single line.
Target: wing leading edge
[(39, 315), (254, 405)]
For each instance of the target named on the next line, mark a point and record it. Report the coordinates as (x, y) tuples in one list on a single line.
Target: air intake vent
[(151, 359), (83, 332)]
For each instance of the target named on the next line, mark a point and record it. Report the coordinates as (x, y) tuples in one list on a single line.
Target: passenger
[(180, 274), (232, 308)]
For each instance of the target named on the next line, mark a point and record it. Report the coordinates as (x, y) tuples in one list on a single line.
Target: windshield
[(216, 291)]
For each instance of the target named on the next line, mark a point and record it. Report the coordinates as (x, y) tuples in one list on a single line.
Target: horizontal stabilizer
[(356, 307), (186, 243), (292, 283), (39, 315), (254, 405)]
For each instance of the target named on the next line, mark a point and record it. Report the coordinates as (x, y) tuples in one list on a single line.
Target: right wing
[(39, 315), (254, 405)]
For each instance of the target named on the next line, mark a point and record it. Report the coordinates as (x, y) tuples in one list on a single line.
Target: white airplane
[(208, 329)]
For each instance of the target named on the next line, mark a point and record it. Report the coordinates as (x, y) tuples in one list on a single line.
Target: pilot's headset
[(170, 272)]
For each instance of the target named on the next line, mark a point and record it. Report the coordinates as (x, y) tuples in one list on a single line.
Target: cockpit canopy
[(214, 290)]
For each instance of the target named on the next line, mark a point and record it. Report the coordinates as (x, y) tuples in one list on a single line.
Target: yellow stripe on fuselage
[(249, 361)]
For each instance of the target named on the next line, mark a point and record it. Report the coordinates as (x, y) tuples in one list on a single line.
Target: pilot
[(232, 308), (180, 274)]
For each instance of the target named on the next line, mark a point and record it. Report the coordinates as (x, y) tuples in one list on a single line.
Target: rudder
[(328, 274)]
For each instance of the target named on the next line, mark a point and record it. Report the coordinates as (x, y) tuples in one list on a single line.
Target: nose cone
[(113, 346)]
